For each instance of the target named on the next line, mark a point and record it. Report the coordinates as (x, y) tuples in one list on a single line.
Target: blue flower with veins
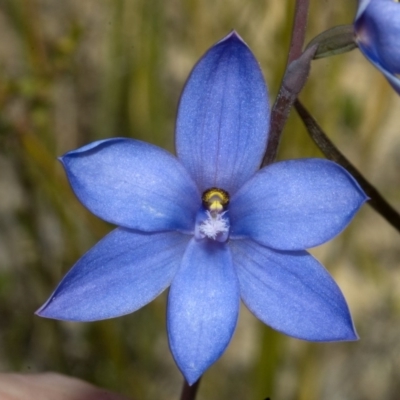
[(209, 224), (377, 30)]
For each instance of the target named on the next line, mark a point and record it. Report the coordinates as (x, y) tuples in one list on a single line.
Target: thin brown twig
[(376, 201)]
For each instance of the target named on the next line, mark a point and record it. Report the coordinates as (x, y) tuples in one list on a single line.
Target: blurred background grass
[(75, 71)]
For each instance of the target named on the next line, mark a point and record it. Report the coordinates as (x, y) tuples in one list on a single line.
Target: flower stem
[(189, 392), (299, 30), (376, 201), (280, 110)]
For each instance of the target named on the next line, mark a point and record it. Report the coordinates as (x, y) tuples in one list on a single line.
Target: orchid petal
[(122, 273), (203, 307), (297, 204), (292, 293), (362, 5), (392, 78), (377, 31), (223, 117), (133, 184)]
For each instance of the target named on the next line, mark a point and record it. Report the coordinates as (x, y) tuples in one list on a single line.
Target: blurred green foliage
[(75, 71)]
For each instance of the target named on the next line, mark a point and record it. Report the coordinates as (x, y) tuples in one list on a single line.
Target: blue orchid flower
[(377, 29), (209, 224)]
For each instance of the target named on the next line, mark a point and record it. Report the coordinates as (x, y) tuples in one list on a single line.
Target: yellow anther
[(215, 199), (216, 206)]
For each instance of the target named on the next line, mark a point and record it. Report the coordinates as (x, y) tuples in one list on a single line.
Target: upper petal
[(133, 184), (296, 204), (291, 292), (203, 307), (377, 30), (120, 274), (223, 117)]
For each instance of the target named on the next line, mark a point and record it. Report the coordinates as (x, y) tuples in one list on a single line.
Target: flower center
[(215, 199), (212, 221), (215, 226)]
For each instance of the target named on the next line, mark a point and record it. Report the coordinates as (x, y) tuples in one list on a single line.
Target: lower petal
[(203, 307), (291, 292), (120, 274)]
